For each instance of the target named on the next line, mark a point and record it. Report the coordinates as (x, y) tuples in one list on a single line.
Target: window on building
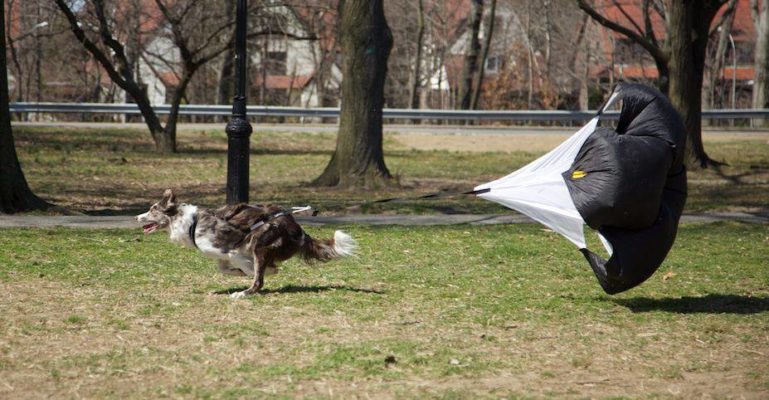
[(276, 63), (493, 64)]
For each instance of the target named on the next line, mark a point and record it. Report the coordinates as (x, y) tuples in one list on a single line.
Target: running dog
[(247, 240)]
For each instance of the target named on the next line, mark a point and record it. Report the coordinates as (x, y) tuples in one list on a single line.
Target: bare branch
[(728, 12), (152, 67), (580, 37), (628, 17), (657, 53), (648, 27), (108, 39), (179, 39), (270, 31), (90, 45), (754, 11), (660, 7), (215, 35), (170, 64)]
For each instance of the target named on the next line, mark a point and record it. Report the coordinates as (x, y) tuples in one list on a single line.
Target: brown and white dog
[(246, 239)]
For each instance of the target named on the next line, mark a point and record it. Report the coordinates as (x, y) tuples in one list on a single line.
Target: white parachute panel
[(539, 191)]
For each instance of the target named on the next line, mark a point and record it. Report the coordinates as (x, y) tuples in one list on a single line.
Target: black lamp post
[(238, 129)]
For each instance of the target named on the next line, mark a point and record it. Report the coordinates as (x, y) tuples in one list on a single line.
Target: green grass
[(436, 312), (423, 312), (116, 171)]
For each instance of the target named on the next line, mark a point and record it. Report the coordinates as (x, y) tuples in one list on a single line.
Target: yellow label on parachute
[(577, 174)]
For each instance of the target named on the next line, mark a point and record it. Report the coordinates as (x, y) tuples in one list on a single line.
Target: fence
[(389, 113)]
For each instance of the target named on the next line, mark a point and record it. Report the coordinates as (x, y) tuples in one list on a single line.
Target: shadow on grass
[(709, 304), (288, 289)]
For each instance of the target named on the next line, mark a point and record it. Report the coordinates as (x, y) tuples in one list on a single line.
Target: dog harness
[(269, 217), (262, 221)]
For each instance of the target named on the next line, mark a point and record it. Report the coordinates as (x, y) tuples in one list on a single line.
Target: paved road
[(110, 222)]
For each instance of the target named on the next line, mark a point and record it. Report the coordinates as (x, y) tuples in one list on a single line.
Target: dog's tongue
[(149, 228)]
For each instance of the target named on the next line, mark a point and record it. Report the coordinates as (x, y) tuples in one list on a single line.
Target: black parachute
[(628, 183), (634, 187)]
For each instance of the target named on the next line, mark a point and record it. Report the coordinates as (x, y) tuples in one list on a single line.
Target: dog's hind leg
[(260, 265), (262, 246)]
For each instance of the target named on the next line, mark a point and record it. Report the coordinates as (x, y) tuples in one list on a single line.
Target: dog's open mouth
[(149, 228)]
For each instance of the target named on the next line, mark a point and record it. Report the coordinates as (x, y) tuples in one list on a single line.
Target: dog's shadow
[(708, 304), (291, 289)]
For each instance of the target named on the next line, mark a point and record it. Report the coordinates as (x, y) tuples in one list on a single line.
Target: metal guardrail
[(389, 113)]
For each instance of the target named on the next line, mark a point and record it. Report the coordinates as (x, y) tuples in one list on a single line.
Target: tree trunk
[(366, 41), (688, 28), (15, 194), (225, 88), (663, 79), (471, 55), (478, 88), (226, 84), (14, 56), (414, 90), (529, 59), (719, 56), (584, 91), (163, 143), (761, 63), (548, 37), (167, 139)]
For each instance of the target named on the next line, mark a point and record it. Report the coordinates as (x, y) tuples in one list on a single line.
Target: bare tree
[(196, 47), (406, 64), (32, 37), (470, 66), (478, 87), (196, 33), (643, 35), (415, 80), (15, 194), (680, 58), (119, 58), (366, 42), (724, 28), (688, 28), (320, 19), (226, 79), (761, 64)]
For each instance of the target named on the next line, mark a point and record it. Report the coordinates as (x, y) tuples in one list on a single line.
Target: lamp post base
[(238, 149)]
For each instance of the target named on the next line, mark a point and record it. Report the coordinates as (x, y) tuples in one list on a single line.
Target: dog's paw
[(239, 295)]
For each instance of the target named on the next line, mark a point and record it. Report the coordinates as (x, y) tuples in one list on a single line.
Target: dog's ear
[(169, 198)]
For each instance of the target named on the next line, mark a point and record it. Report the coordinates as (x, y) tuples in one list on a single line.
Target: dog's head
[(160, 214)]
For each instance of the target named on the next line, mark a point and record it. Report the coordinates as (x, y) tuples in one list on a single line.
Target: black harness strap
[(193, 227), (269, 217), (432, 196)]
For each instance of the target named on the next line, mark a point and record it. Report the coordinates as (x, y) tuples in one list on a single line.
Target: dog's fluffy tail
[(341, 245)]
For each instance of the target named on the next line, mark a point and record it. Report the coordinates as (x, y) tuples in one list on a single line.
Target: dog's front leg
[(260, 264)]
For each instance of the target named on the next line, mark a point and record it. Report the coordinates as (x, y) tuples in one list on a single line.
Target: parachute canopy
[(628, 183)]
